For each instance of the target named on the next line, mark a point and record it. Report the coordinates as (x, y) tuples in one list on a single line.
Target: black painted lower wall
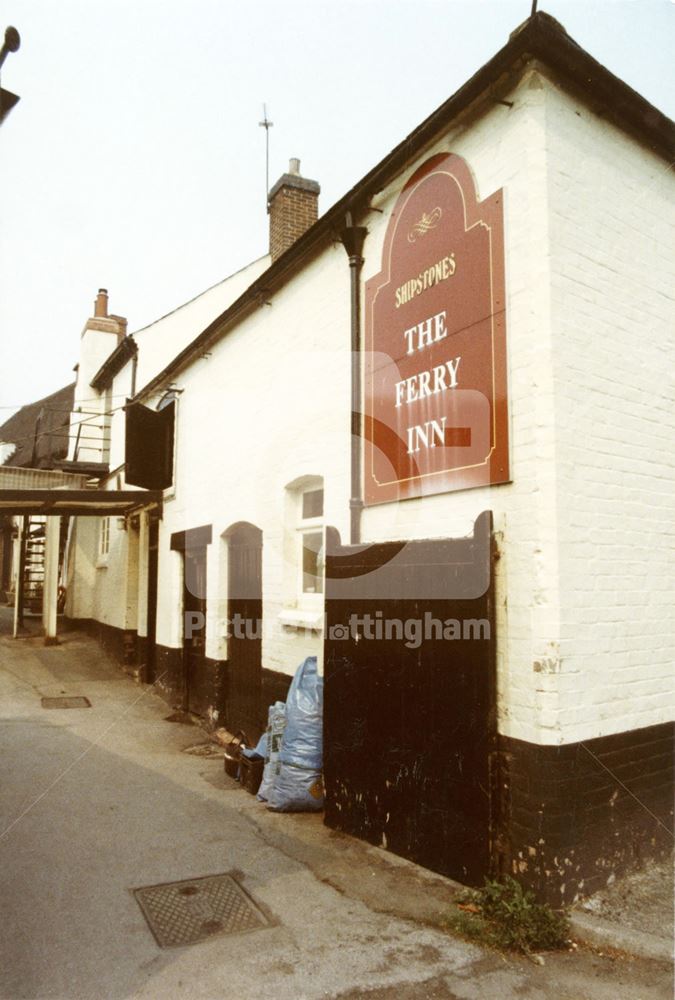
[(121, 644), (208, 689), (168, 679), (564, 818), (571, 816), (205, 695)]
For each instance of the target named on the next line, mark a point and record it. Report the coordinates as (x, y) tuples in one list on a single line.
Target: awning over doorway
[(80, 503)]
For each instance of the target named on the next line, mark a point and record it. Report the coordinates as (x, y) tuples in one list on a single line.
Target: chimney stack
[(101, 304), (293, 207), (104, 321)]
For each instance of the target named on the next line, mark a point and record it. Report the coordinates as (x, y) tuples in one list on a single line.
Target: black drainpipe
[(352, 238)]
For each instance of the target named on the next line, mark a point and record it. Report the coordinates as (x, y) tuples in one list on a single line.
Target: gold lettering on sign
[(430, 276), (427, 222)]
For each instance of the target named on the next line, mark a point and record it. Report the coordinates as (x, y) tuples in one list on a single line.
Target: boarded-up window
[(149, 446)]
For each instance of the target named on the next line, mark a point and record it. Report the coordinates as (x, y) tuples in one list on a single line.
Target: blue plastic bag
[(259, 751), (298, 785), (296, 789), (302, 744), (276, 723)]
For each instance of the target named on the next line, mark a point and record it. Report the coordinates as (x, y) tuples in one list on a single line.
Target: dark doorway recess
[(192, 544), (244, 645), (410, 729), (194, 627), (151, 638)]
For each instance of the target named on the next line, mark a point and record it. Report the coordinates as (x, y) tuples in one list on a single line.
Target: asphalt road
[(96, 802)]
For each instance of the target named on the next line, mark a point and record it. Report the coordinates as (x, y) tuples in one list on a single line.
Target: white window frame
[(304, 608), (310, 526)]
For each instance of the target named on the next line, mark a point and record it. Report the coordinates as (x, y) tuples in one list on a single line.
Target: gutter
[(540, 37), (114, 363)]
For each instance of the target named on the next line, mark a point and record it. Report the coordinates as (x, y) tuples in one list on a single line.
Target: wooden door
[(194, 626), (151, 638), (409, 708), (244, 647)]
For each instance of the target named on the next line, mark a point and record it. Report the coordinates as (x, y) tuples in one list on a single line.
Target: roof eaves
[(184, 305), (541, 37), (125, 350)]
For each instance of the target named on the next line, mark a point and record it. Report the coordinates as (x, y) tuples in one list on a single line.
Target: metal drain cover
[(67, 702), (180, 913)]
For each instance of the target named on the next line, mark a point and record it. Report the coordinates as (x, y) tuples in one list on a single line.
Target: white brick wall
[(582, 527), (584, 583), (612, 226), (506, 149), (268, 406)]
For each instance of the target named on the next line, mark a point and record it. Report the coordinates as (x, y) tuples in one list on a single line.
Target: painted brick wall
[(271, 404), (268, 406), (575, 815), (505, 148), (585, 528), (612, 231), (581, 528)]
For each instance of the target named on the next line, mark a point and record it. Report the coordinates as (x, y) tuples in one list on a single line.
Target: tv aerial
[(267, 125)]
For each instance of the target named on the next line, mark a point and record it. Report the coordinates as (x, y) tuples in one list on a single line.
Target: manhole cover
[(73, 702), (180, 913)]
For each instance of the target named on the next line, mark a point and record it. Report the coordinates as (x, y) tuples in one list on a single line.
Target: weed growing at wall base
[(504, 915)]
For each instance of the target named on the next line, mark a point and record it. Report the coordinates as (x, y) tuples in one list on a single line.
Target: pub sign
[(435, 361)]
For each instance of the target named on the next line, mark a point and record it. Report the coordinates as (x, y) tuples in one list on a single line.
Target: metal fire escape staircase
[(34, 564), (34, 561)]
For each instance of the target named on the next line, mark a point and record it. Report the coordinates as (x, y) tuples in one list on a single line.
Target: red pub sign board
[(436, 415)]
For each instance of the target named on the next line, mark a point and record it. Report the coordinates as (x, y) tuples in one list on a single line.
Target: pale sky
[(134, 160)]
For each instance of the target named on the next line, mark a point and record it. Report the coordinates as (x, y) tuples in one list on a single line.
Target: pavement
[(96, 802), (634, 913)]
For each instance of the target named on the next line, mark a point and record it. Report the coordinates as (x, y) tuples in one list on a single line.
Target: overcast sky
[(134, 160)]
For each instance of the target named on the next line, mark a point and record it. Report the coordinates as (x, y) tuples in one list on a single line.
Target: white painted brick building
[(261, 369)]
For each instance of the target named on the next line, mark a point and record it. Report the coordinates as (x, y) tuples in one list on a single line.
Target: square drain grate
[(181, 913), (66, 702)]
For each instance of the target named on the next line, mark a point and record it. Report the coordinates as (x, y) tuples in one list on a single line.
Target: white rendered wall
[(271, 404), (88, 418), (162, 340), (580, 579), (104, 595), (121, 390), (267, 407), (82, 582), (612, 226)]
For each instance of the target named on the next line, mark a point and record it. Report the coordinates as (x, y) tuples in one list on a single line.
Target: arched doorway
[(244, 612)]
